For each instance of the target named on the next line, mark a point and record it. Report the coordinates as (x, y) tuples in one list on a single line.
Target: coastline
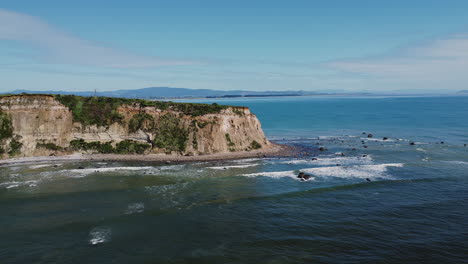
[(274, 150)]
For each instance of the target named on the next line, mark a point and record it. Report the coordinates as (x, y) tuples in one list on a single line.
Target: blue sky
[(253, 45)]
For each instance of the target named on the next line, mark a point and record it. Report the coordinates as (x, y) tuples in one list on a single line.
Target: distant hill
[(463, 92), (169, 92)]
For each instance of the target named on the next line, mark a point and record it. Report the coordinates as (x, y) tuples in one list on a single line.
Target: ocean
[(368, 200)]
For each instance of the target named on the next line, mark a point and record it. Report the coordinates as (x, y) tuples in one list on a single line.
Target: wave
[(459, 162), (43, 166), (233, 167), (354, 171), (14, 184), (135, 208), (99, 235), (246, 160), (332, 161), (79, 173)]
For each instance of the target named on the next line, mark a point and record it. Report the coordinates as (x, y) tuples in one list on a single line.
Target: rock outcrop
[(38, 125)]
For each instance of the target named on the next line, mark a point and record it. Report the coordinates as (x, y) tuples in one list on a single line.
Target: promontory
[(53, 125)]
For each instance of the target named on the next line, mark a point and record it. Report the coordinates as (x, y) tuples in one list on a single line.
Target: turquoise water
[(381, 201)]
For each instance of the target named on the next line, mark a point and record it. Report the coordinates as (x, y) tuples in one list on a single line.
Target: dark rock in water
[(168, 162), (385, 138), (367, 179), (338, 164), (464, 145), (364, 133), (323, 149), (365, 146), (55, 166), (316, 158), (353, 149), (370, 135), (442, 142), (362, 142), (364, 155), (303, 176), (412, 143), (80, 168)]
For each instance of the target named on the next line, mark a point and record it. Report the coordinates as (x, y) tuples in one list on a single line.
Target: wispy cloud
[(61, 47), (443, 59)]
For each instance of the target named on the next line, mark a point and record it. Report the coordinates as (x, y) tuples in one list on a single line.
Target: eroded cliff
[(38, 125)]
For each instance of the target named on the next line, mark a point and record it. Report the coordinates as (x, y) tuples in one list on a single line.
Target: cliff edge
[(41, 125)]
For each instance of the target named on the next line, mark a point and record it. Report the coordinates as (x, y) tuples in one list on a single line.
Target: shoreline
[(275, 150)]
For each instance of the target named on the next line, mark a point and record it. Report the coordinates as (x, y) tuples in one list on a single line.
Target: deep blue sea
[(368, 200)]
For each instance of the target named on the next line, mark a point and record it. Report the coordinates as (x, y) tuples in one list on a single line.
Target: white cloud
[(60, 47), (423, 65)]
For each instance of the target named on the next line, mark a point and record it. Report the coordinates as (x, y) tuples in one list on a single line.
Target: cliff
[(39, 125)]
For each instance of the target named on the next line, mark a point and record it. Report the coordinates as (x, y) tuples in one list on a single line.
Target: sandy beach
[(273, 150)]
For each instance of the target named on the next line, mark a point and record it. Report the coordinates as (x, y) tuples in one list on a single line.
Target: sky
[(314, 45)]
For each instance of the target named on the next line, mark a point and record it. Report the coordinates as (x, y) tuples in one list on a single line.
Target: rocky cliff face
[(37, 125)]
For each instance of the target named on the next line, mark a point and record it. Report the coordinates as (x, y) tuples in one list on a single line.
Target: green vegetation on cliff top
[(102, 111)]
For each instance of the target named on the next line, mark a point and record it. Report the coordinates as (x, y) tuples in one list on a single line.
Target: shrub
[(49, 146), (6, 128), (170, 133), (131, 147), (137, 122), (15, 147), (102, 111), (229, 141), (255, 145)]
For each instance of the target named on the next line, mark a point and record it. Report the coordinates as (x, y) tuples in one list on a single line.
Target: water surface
[(369, 200)]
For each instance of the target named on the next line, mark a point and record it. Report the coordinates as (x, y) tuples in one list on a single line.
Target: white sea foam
[(40, 166), (233, 167), (355, 171), (99, 235), (273, 174), (14, 184), (135, 208), (92, 170), (333, 161), (78, 173), (277, 175), (380, 139), (246, 160), (459, 162)]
